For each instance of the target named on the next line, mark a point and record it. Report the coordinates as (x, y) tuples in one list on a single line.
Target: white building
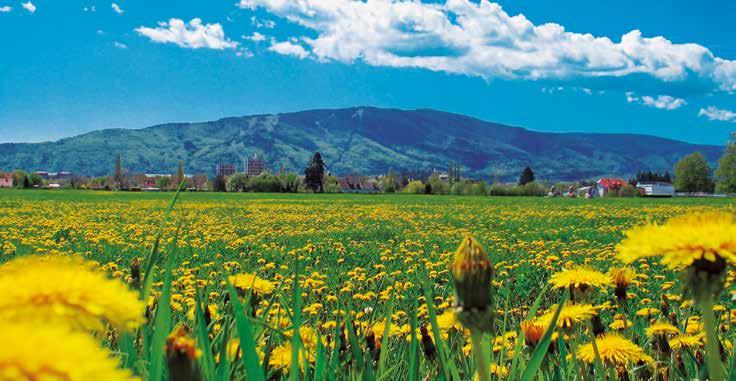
[(656, 189)]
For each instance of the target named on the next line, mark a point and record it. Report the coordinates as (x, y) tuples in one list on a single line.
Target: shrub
[(415, 187)]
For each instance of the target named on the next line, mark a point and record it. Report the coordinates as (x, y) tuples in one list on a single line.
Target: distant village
[(692, 177)]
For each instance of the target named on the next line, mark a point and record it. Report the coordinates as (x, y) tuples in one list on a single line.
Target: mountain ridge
[(361, 139)]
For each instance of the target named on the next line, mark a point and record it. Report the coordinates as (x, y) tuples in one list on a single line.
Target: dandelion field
[(219, 290)]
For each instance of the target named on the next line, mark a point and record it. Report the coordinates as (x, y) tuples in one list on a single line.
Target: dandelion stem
[(481, 359), (712, 351)]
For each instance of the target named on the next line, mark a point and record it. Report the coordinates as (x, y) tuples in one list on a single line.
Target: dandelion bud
[(430, 351), (664, 305), (181, 355), (472, 273), (533, 332), (622, 278), (705, 277), (597, 325), (135, 273)]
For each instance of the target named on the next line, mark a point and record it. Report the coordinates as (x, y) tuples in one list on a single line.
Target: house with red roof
[(607, 184)]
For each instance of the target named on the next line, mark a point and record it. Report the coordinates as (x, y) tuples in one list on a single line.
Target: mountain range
[(364, 140)]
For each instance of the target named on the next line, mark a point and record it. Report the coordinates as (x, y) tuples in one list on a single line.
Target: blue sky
[(651, 67)]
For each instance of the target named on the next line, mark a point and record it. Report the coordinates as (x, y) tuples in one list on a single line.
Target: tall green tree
[(390, 182), (118, 176), (35, 180), (179, 175), (726, 172), (20, 179), (314, 174), (693, 174), (219, 184), (527, 176)]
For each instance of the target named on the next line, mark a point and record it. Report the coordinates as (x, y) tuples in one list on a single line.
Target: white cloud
[(255, 37), (29, 7), (6, 9), (117, 9), (715, 113), (268, 24), (663, 102), (244, 53), (192, 35), (90, 9), (481, 39), (120, 45), (289, 48)]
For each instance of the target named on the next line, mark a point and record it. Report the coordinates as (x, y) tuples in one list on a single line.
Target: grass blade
[(448, 367), (520, 335), (153, 256), (384, 339), (203, 339), (247, 342), (536, 360), (162, 324)]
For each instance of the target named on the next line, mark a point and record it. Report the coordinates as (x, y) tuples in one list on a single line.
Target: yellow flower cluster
[(62, 290)]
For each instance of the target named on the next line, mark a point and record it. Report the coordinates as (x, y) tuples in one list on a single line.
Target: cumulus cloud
[(289, 48), (29, 6), (117, 9), (6, 9), (90, 9), (481, 39), (191, 35), (120, 45), (663, 102), (715, 113)]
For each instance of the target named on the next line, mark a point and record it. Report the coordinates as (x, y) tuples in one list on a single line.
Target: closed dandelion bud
[(472, 273), (664, 305), (135, 273), (705, 277), (597, 325), (679, 364), (181, 355), (673, 319), (430, 351), (533, 332), (207, 315), (699, 358), (370, 341)]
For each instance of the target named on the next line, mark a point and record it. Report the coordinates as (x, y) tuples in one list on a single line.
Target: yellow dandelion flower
[(614, 350), (280, 358), (496, 370), (50, 352), (687, 341), (622, 277), (448, 320), (66, 291), (683, 240), (647, 312), (570, 315), (661, 329), (251, 282), (581, 278), (619, 324)]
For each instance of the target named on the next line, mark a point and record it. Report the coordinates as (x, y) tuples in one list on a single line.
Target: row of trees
[(692, 174)]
